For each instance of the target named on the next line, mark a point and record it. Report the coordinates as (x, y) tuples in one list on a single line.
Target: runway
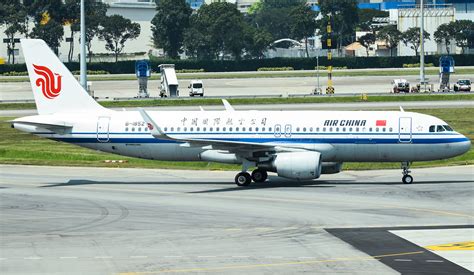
[(56, 220), (234, 87)]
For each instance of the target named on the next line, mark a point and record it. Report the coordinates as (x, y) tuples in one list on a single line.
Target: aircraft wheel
[(243, 179), (259, 175), (407, 179)]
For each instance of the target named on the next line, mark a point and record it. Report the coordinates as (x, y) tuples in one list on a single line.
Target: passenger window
[(126, 129), (172, 129), (210, 129), (179, 129), (243, 129), (311, 129), (237, 129), (337, 129), (324, 129), (191, 129), (217, 129), (317, 129), (133, 129), (269, 129), (223, 129), (297, 129), (230, 129), (440, 128), (256, 129), (344, 129), (370, 129), (350, 129), (384, 129), (357, 129), (185, 129), (330, 129), (250, 129), (377, 129), (263, 129), (304, 129), (390, 129), (204, 129)]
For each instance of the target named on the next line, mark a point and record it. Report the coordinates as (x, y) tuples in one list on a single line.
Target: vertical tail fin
[(54, 87)]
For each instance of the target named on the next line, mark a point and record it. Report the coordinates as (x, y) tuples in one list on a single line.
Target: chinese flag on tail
[(381, 123)]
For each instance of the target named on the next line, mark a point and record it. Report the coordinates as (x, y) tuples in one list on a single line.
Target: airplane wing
[(238, 147), (234, 146)]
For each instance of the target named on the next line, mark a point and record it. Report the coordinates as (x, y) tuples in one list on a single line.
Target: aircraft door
[(277, 131), (288, 130), (404, 129), (103, 129)]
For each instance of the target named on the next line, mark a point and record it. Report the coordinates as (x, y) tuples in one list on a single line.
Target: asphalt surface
[(283, 86), (56, 220)]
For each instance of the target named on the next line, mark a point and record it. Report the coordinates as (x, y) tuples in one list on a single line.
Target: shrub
[(272, 69)]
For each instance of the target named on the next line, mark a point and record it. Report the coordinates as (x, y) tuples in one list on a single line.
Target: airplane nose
[(464, 146)]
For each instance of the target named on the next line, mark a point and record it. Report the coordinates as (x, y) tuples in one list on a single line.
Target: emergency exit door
[(103, 129), (404, 129)]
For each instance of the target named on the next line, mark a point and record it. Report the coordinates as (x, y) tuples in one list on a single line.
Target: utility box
[(169, 81), (143, 72)]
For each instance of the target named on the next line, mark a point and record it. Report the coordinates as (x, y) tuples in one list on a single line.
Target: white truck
[(196, 88), (400, 85)]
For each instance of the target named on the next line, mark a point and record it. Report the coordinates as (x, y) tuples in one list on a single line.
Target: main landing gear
[(244, 178), (407, 179)]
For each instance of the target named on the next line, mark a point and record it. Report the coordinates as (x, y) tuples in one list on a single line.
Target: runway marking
[(206, 256), (103, 257), (173, 256), (263, 228), (469, 245), (434, 261), (240, 256), (402, 260), (32, 258), (233, 229), (138, 257), (3, 259), (64, 258), (366, 258)]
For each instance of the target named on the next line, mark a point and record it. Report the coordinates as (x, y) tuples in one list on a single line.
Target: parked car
[(196, 88), (400, 85), (463, 85)]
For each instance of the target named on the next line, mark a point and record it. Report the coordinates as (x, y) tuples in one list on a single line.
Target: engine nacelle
[(298, 165), (331, 167)]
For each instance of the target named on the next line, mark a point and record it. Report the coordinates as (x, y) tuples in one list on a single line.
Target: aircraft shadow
[(274, 182)]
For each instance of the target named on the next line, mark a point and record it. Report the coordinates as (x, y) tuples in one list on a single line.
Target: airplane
[(298, 145)]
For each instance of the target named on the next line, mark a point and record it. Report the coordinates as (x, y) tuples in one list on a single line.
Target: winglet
[(401, 109), (155, 130), (227, 105)]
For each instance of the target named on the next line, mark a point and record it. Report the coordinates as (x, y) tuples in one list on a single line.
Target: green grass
[(273, 100), (21, 148), (399, 72)]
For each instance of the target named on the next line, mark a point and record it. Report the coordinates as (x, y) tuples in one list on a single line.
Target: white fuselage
[(339, 136)]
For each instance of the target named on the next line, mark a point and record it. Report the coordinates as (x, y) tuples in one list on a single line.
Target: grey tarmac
[(277, 86), (56, 220)]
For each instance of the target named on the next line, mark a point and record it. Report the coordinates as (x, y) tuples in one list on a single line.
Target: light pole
[(83, 48), (422, 47)]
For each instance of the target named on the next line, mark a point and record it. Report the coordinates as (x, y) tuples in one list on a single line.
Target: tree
[(71, 15), (343, 16), (96, 12), (412, 37), (463, 33), (169, 24), (274, 17), (218, 29), (391, 36), (116, 30), (303, 24), (256, 41), (13, 15), (48, 17), (444, 34), (366, 40)]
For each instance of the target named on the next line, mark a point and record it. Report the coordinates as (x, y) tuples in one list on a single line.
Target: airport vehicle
[(462, 85), (400, 85), (298, 145), (196, 88), (168, 81)]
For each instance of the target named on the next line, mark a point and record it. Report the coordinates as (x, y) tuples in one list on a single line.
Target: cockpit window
[(440, 128), (432, 129), (448, 128)]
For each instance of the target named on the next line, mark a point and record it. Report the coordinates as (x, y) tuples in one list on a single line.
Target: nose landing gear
[(407, 179)]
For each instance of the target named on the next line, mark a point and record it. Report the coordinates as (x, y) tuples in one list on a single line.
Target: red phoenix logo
[(50, 86)]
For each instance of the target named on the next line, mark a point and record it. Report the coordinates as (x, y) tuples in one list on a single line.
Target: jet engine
[(331, 167), (296, 165)]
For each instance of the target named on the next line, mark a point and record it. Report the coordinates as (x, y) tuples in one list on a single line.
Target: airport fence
[(127, 67)]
